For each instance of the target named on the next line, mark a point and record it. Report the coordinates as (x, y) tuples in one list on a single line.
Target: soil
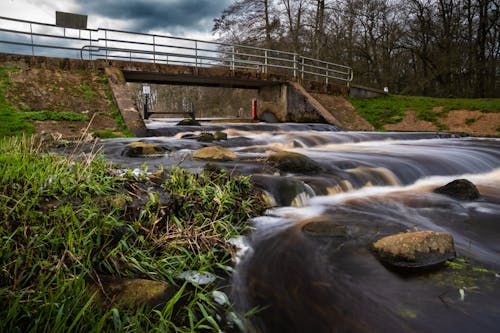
[(83, 92), (344, 112), (471, 122)]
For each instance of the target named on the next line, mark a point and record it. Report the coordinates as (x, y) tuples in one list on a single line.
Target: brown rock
[(460, 189), (214, 153), (139, 148), (415, 249)]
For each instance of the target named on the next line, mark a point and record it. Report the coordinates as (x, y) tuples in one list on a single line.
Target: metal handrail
[(145, 47)]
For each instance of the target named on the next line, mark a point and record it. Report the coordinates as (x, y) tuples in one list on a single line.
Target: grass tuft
[(68, 222)]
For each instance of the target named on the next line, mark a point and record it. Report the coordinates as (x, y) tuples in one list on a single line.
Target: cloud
[(174, 16)]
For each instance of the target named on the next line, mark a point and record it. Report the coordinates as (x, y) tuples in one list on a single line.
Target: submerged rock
[(415, 249), (323, 226), (133, 293), (139, 148), (220, 136), (205, 137), (188, 122), (460, 189), (294, 162), (214, 153)]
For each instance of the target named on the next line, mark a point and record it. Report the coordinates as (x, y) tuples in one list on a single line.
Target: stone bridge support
[(290, 102)]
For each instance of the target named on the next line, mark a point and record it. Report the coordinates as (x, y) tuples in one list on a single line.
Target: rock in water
[(188, 122), (205, 137), (415, 249), (139, 148), (214, 153), (294, 162), (460, 189)]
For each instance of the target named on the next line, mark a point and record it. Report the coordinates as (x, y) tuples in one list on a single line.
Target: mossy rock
[(214, 153), (133, 293), (460, 189), (294, 162), (188, 122), (139, 148), (205, 137), (415, 249), (220, 136)]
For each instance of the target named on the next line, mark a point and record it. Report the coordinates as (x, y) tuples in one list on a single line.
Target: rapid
[(307, 266)]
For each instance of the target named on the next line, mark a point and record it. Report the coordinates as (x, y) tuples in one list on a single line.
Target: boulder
[(214, 153), (294, 162), (460, 189), (133, 293), (188, 122), (139, 148), (220, 136), (415, 249), (205, 137)]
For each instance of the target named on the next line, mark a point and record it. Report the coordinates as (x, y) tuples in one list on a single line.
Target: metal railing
[(35, 38)]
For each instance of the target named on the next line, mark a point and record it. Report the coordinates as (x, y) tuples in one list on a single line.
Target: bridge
[(283, 79)]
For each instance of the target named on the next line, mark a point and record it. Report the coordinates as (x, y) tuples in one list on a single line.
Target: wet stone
[(139, 149), (205, 137), (214, 153), (415, 249), (220, 136), (188, 122), (460, 189), (323, 227), (294, 162)]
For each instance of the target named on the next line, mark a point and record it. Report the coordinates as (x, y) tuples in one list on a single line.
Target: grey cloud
[(145, 15)]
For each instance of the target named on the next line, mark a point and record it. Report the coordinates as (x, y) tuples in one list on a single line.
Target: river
[(369, 185)]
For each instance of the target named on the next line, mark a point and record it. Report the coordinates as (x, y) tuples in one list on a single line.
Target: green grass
[(390, 109), (11, 121), (68, 220), (52, 115), (106, 134)]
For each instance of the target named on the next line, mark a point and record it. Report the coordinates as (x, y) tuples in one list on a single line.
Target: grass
[(11, 120), (52, 115), (390, 109), (67, 221)]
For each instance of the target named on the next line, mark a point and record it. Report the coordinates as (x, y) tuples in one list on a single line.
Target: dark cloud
[(171, 15)]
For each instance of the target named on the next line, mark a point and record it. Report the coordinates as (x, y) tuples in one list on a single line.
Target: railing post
[(233, 59), (106, 42), (196, 57), (32, 44), (295, 65), (265, 61), (154, 50), (327, 73), (302, 71), (90, 42)]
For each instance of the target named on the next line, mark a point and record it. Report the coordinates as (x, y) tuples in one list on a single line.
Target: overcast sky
[(188, 18)]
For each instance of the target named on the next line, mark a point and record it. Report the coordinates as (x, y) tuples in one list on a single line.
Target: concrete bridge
[(283, 79)]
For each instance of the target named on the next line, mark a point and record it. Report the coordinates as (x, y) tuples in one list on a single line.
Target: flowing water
[(308, 267)]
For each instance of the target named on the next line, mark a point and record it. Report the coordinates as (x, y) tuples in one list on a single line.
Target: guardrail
[(35, 38)]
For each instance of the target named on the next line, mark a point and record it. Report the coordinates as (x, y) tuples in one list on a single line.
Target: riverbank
[(89, 247)]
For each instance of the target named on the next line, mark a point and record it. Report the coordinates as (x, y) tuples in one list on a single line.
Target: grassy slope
[(390, 109), (67, 221), (11, 120)]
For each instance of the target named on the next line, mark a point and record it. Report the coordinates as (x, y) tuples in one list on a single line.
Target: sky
[(183, 18)]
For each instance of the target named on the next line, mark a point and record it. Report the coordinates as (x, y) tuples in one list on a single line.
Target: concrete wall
[(365, 92)]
